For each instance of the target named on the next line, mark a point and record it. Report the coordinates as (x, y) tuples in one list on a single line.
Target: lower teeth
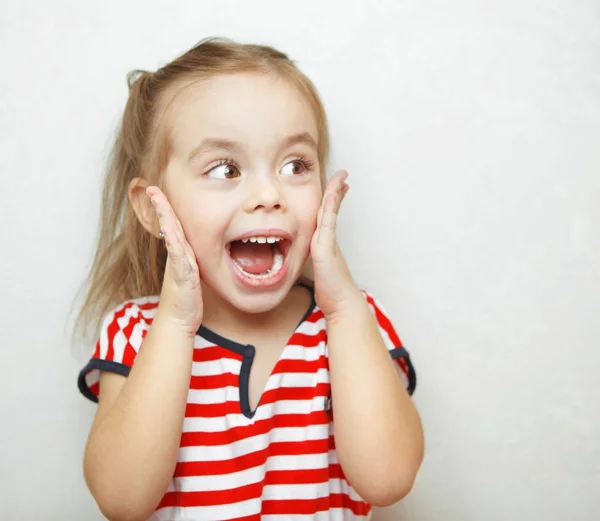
[(277, 265)]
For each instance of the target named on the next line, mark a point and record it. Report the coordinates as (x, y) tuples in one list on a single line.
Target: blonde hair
[(129, 262)]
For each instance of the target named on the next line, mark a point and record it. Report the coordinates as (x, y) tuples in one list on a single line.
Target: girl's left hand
[(334, 288)]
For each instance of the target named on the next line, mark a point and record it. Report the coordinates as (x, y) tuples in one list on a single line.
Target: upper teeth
[(262, 240)]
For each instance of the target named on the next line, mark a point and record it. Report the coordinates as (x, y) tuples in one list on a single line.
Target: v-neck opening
[(248, 352)]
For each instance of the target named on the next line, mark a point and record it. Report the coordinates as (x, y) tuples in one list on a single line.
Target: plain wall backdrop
[(471, 131)]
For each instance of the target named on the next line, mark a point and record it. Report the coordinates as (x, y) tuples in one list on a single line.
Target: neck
[(221, 315)]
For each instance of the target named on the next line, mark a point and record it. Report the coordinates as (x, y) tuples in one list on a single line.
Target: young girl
[(229, 385)]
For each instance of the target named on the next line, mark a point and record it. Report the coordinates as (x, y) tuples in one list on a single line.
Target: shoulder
[(125, 326), (138, 310), (383, 319), (140, 306), (123, 330)]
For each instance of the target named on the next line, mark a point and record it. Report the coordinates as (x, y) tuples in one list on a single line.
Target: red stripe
[(387, 326), (130, 353), (295, 393), (95, 388), (114, 328), (304, 476), (403, 365), (306, 340), (300, 366), (215, 353), (214, 381), (195, 439), (254, 459), (312, 506), (385, 323), (315, 316), (214, 410), (211, 498), (146, 306)]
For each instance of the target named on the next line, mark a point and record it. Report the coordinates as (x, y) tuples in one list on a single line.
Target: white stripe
[(218, 424), (209, 513), (218, 482), (201, 342), (332, 457), (104, 336), (304, 462), (265, 411), (213, 396), (320, 376), (309, 490), (386, 339), (216, 367), (253, 443), (119, 342), (137, 333), (333, 514), (312, 328), (300, 352), (92, 377)]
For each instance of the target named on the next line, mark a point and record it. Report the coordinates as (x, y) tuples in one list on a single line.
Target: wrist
[(175, 326), (350, 308)]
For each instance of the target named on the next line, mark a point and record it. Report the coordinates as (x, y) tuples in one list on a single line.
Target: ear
[(142, 206)]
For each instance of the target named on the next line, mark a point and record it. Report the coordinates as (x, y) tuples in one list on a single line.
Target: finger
[(320, 214), (335, 184), (341, 194), (329, 221), (165, 211), (338, 197), (178, 248), (344, 191), (160, 201)]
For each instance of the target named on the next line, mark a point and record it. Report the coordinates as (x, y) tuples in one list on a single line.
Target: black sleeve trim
[(101, 365), (400, 352)]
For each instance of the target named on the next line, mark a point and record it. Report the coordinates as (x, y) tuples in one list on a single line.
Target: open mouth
[(260, 257)]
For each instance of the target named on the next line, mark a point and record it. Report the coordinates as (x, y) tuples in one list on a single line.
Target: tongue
[(253, 257)]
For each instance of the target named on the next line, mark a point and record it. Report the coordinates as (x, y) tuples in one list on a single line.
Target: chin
[(253, 301), (260, 302)]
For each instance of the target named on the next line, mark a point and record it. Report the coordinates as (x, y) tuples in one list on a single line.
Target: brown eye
[(296, 167), (224, 171)]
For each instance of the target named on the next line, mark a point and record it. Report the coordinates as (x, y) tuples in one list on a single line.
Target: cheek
[(307, 210), (203, 222)]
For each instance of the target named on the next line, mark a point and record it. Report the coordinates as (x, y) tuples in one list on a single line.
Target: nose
[(264, 194)]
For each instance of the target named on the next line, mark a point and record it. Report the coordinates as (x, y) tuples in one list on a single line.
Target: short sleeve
[(392, 341), (121, 335)]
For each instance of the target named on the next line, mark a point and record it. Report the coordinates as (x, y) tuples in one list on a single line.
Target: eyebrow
[(233, 146)]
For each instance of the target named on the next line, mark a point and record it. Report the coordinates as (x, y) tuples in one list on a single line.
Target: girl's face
[(243, 178)]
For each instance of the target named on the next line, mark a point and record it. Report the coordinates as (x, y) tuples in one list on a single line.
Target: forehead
[(258, 110)]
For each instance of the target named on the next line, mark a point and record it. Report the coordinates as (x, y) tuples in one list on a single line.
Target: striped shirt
[(275, 462)]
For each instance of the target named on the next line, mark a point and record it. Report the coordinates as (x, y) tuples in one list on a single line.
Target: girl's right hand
[(181, 294)]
